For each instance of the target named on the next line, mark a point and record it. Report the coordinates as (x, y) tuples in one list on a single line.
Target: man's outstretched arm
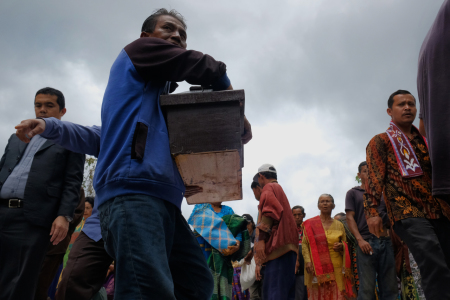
[(74, 137)]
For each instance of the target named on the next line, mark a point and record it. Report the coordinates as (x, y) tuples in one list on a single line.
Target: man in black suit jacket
[(39, 191)]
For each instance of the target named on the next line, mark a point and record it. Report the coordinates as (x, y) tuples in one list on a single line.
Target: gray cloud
[(337, 61)]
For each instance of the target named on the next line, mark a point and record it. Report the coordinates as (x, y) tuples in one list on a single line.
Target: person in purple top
[(375, 256), (138, 187), (433, 79)]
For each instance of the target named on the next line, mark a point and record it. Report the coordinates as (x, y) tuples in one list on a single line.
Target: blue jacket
[(134, 154)]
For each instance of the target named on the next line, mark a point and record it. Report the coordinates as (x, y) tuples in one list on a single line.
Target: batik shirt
[(404, 197)]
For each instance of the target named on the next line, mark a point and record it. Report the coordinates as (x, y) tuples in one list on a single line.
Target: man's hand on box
[(247, 136), (29, 128)]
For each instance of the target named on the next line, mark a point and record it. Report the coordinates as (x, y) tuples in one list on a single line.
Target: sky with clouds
[(316, 73)]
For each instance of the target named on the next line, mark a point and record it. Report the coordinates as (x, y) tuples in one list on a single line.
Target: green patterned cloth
[(220, 265)]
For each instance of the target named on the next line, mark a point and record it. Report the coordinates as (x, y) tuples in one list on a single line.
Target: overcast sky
[(316, 73)]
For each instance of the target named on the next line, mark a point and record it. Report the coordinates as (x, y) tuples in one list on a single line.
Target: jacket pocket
[(139, 140)]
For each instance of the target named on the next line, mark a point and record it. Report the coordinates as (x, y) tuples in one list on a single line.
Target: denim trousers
[(156, 254), (378, 266)]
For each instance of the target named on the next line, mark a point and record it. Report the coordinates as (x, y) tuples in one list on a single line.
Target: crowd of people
[(132, 242)]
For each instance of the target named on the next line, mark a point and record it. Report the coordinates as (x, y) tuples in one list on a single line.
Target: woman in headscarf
[(325, 251), (223, 238)]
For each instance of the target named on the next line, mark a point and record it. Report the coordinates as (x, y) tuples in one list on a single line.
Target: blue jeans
[(380, 265), (156, 254)]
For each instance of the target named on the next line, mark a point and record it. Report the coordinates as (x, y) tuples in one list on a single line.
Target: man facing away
[(301, 292), (375, 255), (276, 243), (433, 77), (39, 189), (136, 175), (399, 165)]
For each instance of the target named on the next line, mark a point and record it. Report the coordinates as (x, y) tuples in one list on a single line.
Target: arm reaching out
[(74, 137)]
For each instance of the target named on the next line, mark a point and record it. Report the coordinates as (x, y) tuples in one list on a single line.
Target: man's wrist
[(68, 219)]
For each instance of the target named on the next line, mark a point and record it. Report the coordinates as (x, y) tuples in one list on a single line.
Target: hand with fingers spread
[(29, 128), (59, 230)]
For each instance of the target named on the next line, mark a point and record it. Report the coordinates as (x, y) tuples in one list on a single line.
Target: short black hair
[(90, 200), (150, 23), (269, 175), (299, 207), (54, 92), (255, 185), (399, 92), (364, 163), (341, 214), (328, 195)]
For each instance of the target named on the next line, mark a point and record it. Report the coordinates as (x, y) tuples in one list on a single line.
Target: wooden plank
[(204, 128), (218, 173)]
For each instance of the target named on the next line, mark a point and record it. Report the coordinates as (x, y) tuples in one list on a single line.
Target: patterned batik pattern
[(404, 197)]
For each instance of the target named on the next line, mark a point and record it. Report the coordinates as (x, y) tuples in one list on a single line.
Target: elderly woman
[(327, 261)]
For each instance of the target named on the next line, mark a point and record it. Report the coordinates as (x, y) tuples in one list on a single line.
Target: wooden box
[(205, 131)]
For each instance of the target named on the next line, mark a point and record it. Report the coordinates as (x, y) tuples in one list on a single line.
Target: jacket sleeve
[(158, 60), (73, 178), (2, 160), (376, 163), (73, 137)]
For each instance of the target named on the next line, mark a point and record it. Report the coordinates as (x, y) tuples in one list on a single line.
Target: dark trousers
[(301, 293), (156, 254), (429, 243), (53, 259), (85, 271), (380, 266), (22, 251), (279, 278)]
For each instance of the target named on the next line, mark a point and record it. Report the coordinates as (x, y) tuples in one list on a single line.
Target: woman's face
[(87, 210), (250, 227), (326, 205)]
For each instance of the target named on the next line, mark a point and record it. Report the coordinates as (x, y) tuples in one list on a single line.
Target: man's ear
[(144, 34), (62, 112), (389, 111)]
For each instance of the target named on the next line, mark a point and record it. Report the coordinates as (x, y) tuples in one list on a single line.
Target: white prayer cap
[(267, 168)]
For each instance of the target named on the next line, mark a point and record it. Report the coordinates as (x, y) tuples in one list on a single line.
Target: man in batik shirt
[(399, 165), (276, 243)]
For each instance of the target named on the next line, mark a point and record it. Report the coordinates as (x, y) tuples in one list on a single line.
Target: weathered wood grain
[(218, 173)]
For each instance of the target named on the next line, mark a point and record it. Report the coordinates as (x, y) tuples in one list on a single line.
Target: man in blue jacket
[(139, 189)]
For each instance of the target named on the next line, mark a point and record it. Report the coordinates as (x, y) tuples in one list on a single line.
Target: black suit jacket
[(54, 181)]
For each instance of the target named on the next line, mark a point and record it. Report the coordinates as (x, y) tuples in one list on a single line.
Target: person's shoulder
[(147, 41), (379, 141), (339, 224)]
